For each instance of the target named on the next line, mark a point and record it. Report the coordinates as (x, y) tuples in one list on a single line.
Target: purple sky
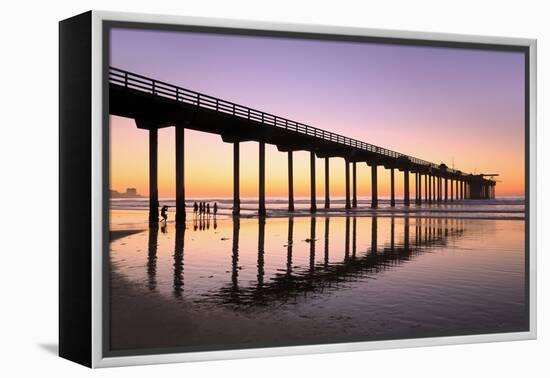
[(438, 104)]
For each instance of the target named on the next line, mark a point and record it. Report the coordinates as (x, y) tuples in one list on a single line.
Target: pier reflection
[(352, 249), (178, 260), (324, 274), (289, 246), (152, 246)]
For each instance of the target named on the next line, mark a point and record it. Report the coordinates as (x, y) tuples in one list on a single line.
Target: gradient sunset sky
[(438, 104)]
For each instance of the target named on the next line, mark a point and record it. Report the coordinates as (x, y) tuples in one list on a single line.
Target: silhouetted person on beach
[(163, 213), (195, 208), (215, 208), (208, 209), (200, 207)]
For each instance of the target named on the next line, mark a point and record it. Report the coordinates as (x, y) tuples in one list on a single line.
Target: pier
[(155, 104)]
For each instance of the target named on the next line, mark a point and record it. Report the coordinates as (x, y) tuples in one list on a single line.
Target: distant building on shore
[(130, 193)]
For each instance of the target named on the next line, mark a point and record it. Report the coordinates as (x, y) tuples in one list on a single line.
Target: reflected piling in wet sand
[(354, 238), (374, 235), (327, 231), (392, 234), (179, 259), (152, 258), (261, 251), (406, 234), (235, 255), (346, 248), (313, 224), (289, 245)]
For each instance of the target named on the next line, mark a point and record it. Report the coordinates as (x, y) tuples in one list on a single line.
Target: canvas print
[(277, 190)]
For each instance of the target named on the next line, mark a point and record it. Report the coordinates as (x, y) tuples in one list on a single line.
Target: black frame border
[(75, 189)]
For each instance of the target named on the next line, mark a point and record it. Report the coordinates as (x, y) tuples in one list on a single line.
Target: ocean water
[(437, 270), (500, 208)]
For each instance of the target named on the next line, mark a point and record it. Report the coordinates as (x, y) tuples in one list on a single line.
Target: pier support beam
[(430, 183), (439, 196), (419, 178), (313, 207), (420, 188), (374, 186), (416, 188), (426, 188), (446, 187), (461, 189), (392, 187), (180, 175), (290, 182), (327, 180), (354, 186), (261, 186), (436, 188), (348, 204), (236, 179), (406, 194), (153, 177), (452, 192), (439, 185)]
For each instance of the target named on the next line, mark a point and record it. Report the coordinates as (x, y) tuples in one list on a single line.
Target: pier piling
[(374, 186), (392, 187), (236, 179), (153, 177), (406, 194), (354, 186), (290, 182), (348, 204), (327, 180), (313, 181), (180, 175), (261, 186)]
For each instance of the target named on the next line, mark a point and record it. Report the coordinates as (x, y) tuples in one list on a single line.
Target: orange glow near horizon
[(209, 162)]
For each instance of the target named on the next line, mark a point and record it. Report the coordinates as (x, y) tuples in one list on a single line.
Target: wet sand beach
[(224, 283)]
